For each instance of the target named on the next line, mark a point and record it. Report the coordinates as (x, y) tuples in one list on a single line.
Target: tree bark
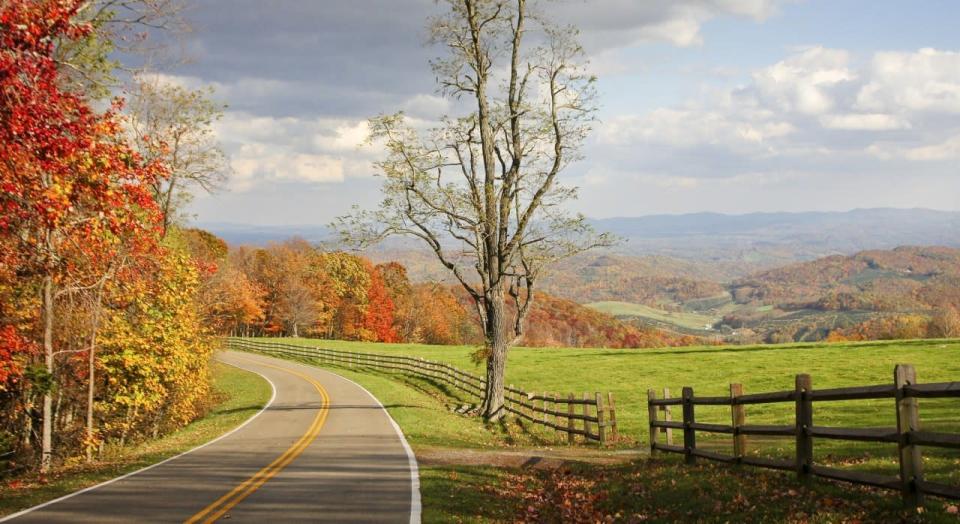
[(497, 345), (47, 422), (91, 373)]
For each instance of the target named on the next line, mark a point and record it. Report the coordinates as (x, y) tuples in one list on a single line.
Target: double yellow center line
[(222, 505)]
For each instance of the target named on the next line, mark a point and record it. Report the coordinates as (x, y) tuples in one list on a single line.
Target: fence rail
[(906, 435), (596, 420)]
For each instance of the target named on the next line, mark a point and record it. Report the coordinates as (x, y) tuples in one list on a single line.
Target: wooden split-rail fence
[(907, 435), (592, 416)]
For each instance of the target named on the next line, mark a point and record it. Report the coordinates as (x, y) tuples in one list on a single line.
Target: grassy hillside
[(685, 319), (710, 370)]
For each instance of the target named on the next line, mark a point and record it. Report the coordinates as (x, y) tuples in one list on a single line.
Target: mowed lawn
[(710, 370)]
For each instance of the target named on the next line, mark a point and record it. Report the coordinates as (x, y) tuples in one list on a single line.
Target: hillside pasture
[(684, 319), (710, 370)]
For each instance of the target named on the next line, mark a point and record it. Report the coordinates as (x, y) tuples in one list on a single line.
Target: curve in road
[(323, 450)]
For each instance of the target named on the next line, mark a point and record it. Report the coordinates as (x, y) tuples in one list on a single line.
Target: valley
[(753, 278)]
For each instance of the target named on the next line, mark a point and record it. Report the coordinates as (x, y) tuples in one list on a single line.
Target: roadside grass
[(709, 370), (242, 394), (469, 494), (427, 413)]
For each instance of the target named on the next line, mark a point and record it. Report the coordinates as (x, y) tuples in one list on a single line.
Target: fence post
[(586, 413), (612, 406), (804, 421), (668, 417), (570, 422), (601, 428), (556, 410), (908, 420), (544, 408), (652, 418), (689, 435), (738, 417)]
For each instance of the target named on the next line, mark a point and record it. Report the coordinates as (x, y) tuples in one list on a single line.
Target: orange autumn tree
[(72, 193), (378, 317)]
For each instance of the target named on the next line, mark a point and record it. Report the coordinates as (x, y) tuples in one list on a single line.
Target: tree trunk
[(497, 345), (91, 373), (47, 422)]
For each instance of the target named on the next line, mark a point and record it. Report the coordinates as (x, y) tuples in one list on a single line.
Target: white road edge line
[(273, 396), (416, 506)]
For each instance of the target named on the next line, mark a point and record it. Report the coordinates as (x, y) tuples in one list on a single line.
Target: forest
[(295, 289)]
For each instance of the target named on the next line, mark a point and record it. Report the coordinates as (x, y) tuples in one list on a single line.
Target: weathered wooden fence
[(907, 435), (592, 416)]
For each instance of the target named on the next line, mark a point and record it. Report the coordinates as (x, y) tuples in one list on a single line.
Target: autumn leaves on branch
[(101, 332)]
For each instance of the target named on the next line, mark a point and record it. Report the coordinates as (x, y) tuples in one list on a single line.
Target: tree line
[(296, 289)]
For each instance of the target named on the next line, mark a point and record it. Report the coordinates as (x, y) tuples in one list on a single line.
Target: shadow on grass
[(513, 430)]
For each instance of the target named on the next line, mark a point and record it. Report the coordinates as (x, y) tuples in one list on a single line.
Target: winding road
[(323, 450)]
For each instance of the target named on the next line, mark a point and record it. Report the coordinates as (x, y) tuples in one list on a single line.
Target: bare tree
[(148, 31), (481, 189), (174, 123), (297, 307)]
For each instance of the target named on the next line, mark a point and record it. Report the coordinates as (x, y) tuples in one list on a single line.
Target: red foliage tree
[(72, 193), (14, 349), (378, 317)]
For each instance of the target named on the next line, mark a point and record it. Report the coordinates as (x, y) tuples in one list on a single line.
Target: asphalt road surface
[(323, 450)]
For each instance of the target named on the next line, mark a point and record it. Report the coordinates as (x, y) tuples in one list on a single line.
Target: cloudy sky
[(706, 105)]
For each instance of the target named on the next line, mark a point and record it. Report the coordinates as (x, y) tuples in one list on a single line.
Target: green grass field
[(683, 319), (709, 370), (240, 395)]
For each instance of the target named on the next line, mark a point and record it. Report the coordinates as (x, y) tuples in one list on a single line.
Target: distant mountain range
[(733, 245), (866, 221), (249, 234), (763, 240)]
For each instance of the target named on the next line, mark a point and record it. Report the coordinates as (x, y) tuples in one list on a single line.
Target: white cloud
[(271, 149), (255, 163), (429, 106), (692, 127), (804, 82), (346, 136), (320, 150), (621, 23), (948, 149), (796, 107), (926, 80), (864, 122)]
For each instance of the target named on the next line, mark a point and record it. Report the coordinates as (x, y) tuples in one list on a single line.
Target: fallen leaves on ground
[(664, 490)]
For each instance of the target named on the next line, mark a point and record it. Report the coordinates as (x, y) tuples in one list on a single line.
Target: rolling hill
[(752, 277)]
